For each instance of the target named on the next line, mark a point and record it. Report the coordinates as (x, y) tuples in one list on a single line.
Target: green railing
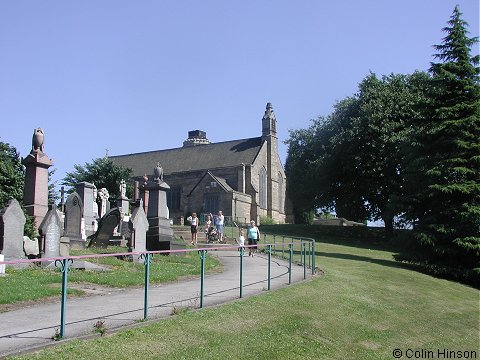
[(300, 250)]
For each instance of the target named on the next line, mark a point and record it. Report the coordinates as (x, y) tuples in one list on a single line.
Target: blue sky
[(132, 76)]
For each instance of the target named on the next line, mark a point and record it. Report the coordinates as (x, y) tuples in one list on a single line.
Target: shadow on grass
[(358, 237), (383, 262)]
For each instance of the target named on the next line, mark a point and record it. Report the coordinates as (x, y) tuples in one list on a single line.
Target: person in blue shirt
[(253, 236)]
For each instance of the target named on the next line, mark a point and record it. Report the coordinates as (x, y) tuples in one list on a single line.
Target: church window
[(262, 188), (280, 192)]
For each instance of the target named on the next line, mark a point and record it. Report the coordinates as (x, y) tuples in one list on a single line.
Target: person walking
[(253, 235), (194, 228), (219, 221)]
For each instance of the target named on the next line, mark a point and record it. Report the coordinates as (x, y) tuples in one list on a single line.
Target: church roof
[(193, 158), (221, 181)]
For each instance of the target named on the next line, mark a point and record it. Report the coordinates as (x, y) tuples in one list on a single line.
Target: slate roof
[(193, 158)]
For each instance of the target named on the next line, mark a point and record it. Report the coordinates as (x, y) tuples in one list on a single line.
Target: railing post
[(65, 265), (269, 263), (304, 261), (290, 250), (146, 261), (309, 253), (283, 247), (242, 252), (203, 254), (274, 245), (313, 257), (301, 251)]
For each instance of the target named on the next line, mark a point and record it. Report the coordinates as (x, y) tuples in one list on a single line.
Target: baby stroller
[(212, 235)]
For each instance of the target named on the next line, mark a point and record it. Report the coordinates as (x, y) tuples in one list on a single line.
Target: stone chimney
[(196, 137)]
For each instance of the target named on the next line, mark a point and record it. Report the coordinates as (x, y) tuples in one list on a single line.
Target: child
[(208, 224), (241, 239)]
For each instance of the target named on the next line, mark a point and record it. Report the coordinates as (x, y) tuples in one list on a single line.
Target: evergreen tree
[(446, 172)]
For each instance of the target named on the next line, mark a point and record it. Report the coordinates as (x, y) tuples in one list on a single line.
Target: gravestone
[(107, 224), (95, 209), (12, 223), (86, 192), (64, 246), (30, 247), (104, 204), (51, 231), (73, 220), (2, 266), (138, 225)]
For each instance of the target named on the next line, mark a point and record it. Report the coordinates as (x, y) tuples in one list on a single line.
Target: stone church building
[(243, 178)]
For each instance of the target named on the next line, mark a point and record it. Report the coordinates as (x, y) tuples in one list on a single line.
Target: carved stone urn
[(37, 140)]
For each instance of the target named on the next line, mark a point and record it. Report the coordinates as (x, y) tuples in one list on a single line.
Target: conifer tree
[(447, 165)]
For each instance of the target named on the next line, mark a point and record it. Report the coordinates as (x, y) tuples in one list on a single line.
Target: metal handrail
[(65, 263)]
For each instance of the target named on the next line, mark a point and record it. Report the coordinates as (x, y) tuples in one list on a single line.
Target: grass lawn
[(364, 307)]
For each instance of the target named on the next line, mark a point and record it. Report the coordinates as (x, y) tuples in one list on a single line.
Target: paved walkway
[(34, 326)]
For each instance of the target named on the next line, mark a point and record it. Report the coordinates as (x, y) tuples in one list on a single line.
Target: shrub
[(266, 220)]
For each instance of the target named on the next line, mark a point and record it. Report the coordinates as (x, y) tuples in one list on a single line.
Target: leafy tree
[(300, 181), (103, 173), (53, 195), (352, 161), (319, 166), (12, 174), (445, 177), (339, 176), (390, 109)]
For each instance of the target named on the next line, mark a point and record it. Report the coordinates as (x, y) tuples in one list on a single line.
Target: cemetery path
[(33, 327)]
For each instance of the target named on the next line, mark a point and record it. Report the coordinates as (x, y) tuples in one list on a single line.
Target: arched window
[(280, 192), (262, 188)]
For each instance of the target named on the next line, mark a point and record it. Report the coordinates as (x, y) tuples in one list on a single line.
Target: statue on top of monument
[(37, 140), (158, 173)]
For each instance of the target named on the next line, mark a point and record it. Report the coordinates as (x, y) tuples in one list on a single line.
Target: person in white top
[(208, 223), (219, 223), (194, 228), (241, 239)]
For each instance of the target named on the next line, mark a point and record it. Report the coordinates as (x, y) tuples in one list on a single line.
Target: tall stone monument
[(35, 193), (160, 233)]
